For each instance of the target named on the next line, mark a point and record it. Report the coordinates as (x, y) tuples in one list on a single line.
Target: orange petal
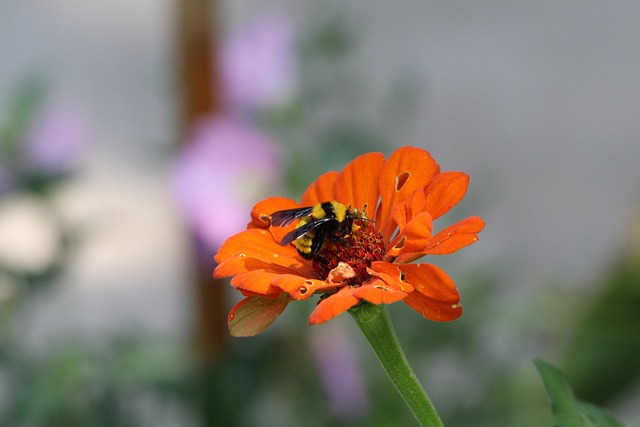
[(444, 192), (415, 236), (333, 305), (300, 287), (378, 292), (357, 184), (407, 209), (433, 310), (321, 190), (263, 209), (255, 243), (431, 281), (254, 314), (435, 296), (390, 274), (243, 251), (407, 170), (456, 236), (257, 281), (241, 265)]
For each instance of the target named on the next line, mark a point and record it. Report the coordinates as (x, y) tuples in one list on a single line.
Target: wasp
[(327, 220)]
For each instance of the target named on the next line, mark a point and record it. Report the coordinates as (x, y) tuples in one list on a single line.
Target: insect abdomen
[(304, 244)]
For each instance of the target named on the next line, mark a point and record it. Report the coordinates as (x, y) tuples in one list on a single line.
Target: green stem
[(375, 323)]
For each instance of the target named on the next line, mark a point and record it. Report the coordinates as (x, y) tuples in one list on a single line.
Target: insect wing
[(286, 217), (302, 230)]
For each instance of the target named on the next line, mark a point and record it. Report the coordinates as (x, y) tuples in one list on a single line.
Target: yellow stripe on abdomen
[(339, 210), (318, 211)]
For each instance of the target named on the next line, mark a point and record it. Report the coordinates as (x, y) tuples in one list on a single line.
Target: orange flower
[(398, 199)]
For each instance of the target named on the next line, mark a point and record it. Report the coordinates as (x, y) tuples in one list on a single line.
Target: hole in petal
[(400, 244), (401, 180), (303, 290)]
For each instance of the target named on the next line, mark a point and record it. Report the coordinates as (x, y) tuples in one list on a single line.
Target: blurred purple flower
[(49, 148), (220, 174), (340, 373), (55, 142), (259, 64)]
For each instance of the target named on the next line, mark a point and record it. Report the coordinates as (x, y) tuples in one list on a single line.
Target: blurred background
[(136, 135)]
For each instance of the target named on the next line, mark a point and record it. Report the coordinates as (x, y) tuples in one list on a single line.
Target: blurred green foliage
[(23, 107), (606, 339), (77, 385)]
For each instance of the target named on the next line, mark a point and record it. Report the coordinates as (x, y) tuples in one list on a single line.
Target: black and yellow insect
[(327, 220)]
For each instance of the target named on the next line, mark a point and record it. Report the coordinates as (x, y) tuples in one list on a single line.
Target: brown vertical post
[(196, 45), (199, 85)]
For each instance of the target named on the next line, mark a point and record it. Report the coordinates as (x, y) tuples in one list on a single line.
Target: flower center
[(361, 248)]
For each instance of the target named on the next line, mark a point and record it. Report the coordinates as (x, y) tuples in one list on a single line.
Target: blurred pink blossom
[(259, 64), (224, 168), (55, 142)]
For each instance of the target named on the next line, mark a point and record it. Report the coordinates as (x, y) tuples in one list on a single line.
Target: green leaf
[(563, 405), (254, 314), (567, 411), (598, 416)]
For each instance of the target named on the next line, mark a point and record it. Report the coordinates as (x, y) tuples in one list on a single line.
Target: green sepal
[(254, 314)]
